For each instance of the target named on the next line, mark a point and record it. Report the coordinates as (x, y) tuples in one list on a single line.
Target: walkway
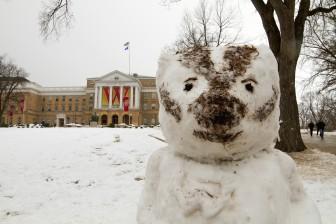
[(328, 144)]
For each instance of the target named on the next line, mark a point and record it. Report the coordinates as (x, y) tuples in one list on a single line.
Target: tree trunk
[(290, 136)]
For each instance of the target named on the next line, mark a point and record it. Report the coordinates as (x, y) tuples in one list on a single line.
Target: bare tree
[(11, 77), (320, 43), (55, 16), (208, 26)]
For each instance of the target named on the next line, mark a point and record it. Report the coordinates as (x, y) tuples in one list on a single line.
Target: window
[(153, 106), (70, 108), (63, 98), (56, 107), (145, 106), (56, 99), (147, 95), (70, 99), (76, 99), (154, 96), (76, 108), (42, 109), (63, 108)]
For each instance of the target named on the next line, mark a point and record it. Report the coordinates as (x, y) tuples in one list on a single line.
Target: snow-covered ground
[(81, 176)]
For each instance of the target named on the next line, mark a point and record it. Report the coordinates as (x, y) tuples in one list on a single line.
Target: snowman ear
[(163, 63)]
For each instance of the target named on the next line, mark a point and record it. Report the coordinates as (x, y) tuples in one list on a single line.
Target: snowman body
[(219, 111)]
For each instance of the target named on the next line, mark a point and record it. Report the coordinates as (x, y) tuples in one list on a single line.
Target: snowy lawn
[(80, 176)]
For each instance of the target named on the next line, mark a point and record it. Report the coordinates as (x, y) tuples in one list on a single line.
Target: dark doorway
[(61, 122), (104, 119), (115, 119), (126, 119)]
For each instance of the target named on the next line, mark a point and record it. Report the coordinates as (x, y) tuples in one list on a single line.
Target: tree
[(11, 77), (316, 106), (55, 16), (321, 49), (284, 24), (208, 26)]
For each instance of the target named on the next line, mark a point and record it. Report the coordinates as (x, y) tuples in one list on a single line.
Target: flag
[(126, 45)]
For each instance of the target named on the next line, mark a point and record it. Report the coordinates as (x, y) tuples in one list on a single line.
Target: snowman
[(219, 112)]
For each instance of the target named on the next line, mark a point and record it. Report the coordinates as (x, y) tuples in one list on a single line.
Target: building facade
[(113, 98)]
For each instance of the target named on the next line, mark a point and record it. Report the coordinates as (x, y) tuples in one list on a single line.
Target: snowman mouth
[(216, 137)]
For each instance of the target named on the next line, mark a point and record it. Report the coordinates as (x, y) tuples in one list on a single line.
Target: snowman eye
[(188, 87), (248, 86)]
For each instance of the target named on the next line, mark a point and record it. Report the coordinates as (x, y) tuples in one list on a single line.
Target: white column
[(96, 98), (100, 97), (137, 97), (110, 98), (121, 96), (130, 100)]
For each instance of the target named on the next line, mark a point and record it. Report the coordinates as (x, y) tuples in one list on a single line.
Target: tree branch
[(272, 31), (321, 10)]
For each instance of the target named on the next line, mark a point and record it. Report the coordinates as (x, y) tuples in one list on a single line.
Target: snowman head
[(219, 103)]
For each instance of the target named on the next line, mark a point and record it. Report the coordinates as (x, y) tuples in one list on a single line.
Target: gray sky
[(94, 45)]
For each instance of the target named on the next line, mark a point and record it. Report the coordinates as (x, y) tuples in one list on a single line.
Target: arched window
[(126, 119), (115, 119), (104, 119)]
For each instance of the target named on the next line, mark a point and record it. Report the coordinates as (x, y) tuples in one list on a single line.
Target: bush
[(111, 125), (3, 125), (94, 118)]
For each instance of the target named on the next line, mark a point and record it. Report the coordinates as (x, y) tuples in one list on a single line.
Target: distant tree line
[(317, 106)]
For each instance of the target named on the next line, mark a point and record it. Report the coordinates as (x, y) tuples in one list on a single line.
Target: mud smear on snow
[(213, 137), (215, 110), (265, 110), (171, 106), (198, 59), (238, 58)]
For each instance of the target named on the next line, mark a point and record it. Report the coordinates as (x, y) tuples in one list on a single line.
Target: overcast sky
[(94, 45)]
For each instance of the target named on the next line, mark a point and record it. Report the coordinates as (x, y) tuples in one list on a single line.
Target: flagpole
[(129, 59)]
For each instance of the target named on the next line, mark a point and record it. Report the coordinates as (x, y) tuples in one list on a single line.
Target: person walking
[(311, 128), (321, 126), (317, 128)]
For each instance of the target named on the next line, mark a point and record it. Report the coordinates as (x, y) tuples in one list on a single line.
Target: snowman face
[(220, 102)]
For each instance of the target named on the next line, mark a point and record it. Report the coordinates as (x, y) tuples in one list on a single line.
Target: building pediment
[(116, 76)]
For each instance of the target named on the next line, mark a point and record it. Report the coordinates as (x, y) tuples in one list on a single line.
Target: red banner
[(126, 103), (116, 96), (21, 105), (126, 98), (11, 110), (105, 96)]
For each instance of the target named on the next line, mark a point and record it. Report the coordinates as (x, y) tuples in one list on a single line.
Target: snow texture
[(72, 175), (39, 169), (219, 112)]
